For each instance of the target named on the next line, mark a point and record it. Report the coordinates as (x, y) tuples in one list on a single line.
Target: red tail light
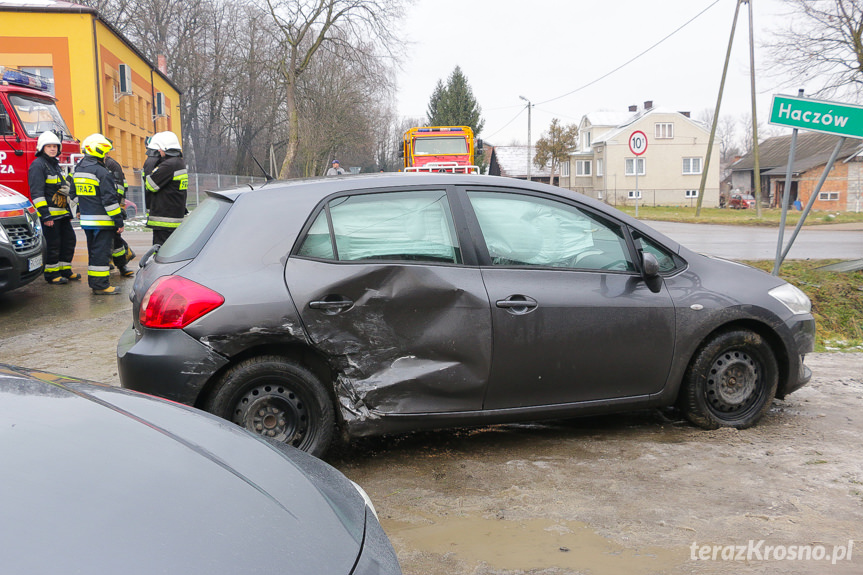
[(173, 302)]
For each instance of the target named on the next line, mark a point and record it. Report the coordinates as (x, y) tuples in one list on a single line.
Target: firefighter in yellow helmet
[(167, 184), (50, 195), (99, 210)]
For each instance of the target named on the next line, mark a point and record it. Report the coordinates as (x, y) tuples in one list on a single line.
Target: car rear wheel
[(730, 382), (279, 399)]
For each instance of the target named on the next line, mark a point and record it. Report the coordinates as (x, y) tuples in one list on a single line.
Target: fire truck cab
[(27, 109), (448, 149)]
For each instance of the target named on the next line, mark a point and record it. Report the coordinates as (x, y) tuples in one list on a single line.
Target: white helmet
[(153, 142), (169, 141), (46, 138)]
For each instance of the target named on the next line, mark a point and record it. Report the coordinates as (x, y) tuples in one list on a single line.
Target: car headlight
[(792, 298), (365, 497)]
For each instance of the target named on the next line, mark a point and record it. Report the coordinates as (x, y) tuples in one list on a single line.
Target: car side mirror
[(5, 124), (649, 265), (650, 272)]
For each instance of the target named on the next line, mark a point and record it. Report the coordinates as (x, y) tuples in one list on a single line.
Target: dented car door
[(383, 292)]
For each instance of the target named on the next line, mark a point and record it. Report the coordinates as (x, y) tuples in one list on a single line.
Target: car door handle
[(516, 301), (331, 305)]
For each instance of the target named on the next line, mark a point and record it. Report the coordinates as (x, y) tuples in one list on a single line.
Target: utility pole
[(716, 113), (757, 167), (528, 136)]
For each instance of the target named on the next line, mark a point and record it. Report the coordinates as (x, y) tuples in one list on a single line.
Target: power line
[(520, 112), (634, 58)]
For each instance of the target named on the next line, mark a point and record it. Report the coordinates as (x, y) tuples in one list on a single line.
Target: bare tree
[(555, 145), (303, 27), (822, 44)]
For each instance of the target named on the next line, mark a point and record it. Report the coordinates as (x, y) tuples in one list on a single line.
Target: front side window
[(630, 166), (521, 230), (394, 226), (666, 260), (691, 165)]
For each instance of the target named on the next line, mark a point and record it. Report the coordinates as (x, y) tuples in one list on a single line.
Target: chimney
[(648, 104), (686, 114), (633, 108), (162, 63)]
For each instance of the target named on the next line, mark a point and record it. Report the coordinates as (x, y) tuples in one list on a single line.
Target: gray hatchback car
[(394, 302)]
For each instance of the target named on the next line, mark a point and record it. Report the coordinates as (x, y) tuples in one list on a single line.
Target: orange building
[(102, 82)]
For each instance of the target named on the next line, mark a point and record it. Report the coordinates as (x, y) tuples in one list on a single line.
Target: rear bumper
[(167, 363)]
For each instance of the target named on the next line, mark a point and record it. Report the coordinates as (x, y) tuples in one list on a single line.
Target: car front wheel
[(730, 382), (279, 399)]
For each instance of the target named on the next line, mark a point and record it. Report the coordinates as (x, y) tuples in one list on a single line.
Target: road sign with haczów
[(817, 115)]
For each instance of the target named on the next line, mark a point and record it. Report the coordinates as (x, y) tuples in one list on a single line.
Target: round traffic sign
[(638, 142)]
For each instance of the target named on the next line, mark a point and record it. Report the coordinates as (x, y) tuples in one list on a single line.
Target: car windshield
[(449, 145), (38, 115)]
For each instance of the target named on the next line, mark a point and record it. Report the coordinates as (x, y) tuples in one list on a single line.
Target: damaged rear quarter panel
[(417, 338)]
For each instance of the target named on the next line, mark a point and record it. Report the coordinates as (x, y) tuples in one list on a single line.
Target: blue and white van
[(21, 244)]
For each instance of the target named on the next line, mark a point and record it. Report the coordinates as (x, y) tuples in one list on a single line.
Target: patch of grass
[(769, 217), (837, 301)]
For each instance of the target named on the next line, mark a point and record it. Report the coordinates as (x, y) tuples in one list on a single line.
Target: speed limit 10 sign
[(638, 142)]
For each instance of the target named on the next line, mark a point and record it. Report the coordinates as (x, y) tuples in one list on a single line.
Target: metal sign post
[(834, 118), (637, 145)]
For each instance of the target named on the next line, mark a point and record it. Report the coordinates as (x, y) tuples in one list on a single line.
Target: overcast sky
[(544, 49)]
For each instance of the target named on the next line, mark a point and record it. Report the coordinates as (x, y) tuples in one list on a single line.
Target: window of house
[(629, 169), (599, 167), (395, 226), (633, 194), (829, 196), (664, 131), (564, 169), (585, 141), (691, 165), (582, 167), (524, 230), (691, 193)]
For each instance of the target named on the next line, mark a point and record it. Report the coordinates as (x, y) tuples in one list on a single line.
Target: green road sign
[(817, 115)]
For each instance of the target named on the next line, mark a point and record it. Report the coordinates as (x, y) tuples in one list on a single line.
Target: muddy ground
[(640, 493)]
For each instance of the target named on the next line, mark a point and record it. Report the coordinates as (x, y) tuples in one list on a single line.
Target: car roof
[(316, 189)]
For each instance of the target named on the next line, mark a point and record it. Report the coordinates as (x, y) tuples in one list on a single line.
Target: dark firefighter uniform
[(121, 253), (99, 215), (46, 181), (167, 184)]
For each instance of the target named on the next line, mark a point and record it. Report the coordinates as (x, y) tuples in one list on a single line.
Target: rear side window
[(188, 240), (393, 226)]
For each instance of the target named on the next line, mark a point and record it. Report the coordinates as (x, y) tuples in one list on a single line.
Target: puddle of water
[(531, 544)]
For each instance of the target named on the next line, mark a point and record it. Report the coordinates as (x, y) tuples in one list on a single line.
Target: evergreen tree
[(454, 104)]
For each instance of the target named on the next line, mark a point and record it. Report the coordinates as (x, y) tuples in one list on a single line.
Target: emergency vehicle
[(27, 109), (20, 241), (449, 149)]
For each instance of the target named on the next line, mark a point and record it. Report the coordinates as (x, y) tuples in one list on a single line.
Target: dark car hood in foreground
[(100, 480)]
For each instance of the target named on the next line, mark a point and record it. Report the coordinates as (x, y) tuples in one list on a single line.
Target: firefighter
[(153, 158), (167, 184), (50, 195), (121, 253), (99, 210)]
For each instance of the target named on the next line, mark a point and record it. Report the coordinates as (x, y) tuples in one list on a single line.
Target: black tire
[(278, 399), (731, 381)]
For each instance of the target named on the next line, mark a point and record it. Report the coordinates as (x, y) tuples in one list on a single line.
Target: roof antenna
[(266, 175)]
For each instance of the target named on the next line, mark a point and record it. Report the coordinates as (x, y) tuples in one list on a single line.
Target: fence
[(199, 185)]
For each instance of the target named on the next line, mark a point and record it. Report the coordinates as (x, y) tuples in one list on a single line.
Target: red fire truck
[(449, 149), (27, 109)]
